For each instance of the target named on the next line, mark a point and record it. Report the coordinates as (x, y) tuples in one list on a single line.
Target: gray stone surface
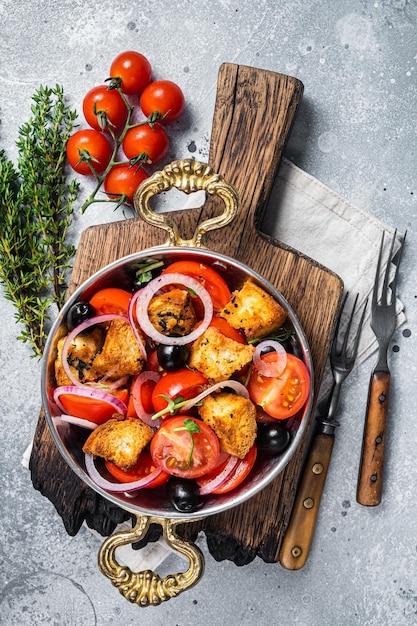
[(356, 132)]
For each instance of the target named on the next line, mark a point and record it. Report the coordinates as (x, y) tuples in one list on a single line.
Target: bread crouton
[(217, 357), (233, 419), (254, 311), (119, 441), (81, 353), (120, 355), (172, 312)]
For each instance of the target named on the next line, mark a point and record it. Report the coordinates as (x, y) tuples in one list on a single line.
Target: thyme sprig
[(36, 208)]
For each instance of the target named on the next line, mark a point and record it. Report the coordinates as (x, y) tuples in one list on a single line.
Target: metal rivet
[(378, 440), (374, 478), (308, 503), (296, 551), (317, 468), (382, 397)]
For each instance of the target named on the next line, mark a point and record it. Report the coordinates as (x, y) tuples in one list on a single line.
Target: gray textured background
[(356, 132)]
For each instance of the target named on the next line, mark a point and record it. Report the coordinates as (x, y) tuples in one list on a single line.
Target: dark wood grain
[(299, 535), (371, 467), (253, 116)]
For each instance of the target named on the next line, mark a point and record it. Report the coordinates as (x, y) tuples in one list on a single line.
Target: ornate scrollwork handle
[(188, 176), (146, 587)]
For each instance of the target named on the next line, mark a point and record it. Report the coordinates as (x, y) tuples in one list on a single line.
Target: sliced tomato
[(185, 446), (97, 411), (111, 300), (239, 473), (224, 327), (143, 467), (146, 397), (284, 395), (184, 382), (208, 277)]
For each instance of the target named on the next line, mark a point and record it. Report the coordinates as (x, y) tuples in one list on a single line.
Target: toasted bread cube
[(217, 357), (172, 313), (253, 311), (119, 441), (233, 419), (120, 355), (81, 353)]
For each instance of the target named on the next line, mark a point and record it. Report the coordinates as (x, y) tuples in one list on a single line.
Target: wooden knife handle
[(296, 544), (371, 466)]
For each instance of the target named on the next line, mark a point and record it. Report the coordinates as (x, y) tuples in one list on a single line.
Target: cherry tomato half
[(111, 300), (184, 382), (90, 409), (134, 71), (165, 97), (123, 180), (184, 451), (284, 395), (86, 146), (150, 140), (143, 468), (207, 276), (101, 100), (224, 327), (237, 476)]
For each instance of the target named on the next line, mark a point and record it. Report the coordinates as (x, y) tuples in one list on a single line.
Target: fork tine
[(359, 330), (396, 260), (347, 332), (378, 268)]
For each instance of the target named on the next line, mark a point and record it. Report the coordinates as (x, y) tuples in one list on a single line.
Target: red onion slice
[(221, 477), (232, 384), (147, 293), (130, 311), (78, 421), (94, 393), (137, 399), (93, 321), (270, 369), (107, 485)]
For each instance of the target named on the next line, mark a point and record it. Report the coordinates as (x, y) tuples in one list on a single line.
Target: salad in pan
[(179, 383)]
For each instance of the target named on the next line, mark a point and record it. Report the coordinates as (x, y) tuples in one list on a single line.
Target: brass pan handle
[(188, 176), (147, 588)]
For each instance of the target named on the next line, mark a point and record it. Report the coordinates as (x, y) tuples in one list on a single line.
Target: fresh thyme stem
[(36, 208)]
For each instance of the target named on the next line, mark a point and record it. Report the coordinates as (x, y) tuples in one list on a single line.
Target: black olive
[(184, 494), (172, 358), (78, 313), (272, 438)]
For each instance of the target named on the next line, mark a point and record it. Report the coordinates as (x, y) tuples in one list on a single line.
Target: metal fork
[(383, 323), (297, 541)]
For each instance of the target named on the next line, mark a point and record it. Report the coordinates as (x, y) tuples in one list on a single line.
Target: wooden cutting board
[(253, 116)]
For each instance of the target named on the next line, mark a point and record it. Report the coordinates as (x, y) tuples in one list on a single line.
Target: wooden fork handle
[(371, 466), (299, 535)]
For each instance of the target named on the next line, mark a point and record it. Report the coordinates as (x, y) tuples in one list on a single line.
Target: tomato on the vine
[(184, 382), (207, 276), (124, 179), (185, 446), (165, 97), (134, 71), (284, 395), (143, 468), (104, 108), (151, 140), (88, 146), (111, 300)]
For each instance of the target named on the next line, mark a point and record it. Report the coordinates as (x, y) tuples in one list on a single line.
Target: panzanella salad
[(179, 383)]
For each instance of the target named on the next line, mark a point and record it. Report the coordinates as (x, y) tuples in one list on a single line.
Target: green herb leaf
[(36, 209)]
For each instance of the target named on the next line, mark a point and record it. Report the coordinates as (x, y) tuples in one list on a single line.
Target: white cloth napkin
[(311, 218)]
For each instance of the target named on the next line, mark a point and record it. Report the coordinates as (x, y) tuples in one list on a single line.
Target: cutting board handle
[(188, 176), (252, 120)]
